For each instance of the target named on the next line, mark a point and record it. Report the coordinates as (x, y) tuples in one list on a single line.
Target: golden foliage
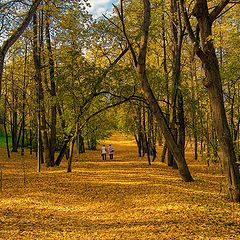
[(120, 199)]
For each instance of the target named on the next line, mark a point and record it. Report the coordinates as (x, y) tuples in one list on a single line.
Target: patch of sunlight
[(126, 182), (179, 206), (119, 139), (166, 207), (125, 143)]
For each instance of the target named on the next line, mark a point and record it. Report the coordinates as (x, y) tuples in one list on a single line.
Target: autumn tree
[(202, 39), (139, 61)]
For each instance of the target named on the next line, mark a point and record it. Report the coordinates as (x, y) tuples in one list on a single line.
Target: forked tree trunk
[(206, 52)]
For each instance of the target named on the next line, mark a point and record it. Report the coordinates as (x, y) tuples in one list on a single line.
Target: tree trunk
[(52, 90), (24, 101), (81, 144), (14, 118), (206, 52), (40, 93), (139, 135), (164, 151), (177, 35), (72, 141), (36, 58), (30, 139), (181, 120), (166, 78), (61, 153), (14, 131), (223, 133), (5, 126)]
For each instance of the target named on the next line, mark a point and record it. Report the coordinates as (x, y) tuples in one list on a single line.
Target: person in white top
[(104, 152)]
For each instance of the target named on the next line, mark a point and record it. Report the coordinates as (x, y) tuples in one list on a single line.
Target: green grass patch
[(3, 138)]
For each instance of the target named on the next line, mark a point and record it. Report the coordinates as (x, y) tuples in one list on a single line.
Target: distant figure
[(104, 152), (153, 153), (110, 151)]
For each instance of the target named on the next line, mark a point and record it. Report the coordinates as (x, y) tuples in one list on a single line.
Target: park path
[(120, 199)]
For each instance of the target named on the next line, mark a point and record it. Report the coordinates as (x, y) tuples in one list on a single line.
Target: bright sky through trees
[(98, 7)]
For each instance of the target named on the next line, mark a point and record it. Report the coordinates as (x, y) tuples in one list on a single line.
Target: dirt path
[(120, 199)]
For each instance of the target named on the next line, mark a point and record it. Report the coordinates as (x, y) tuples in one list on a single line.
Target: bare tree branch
[(121, 17), (218, 9)]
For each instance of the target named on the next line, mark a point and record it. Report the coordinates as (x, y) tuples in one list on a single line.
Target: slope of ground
[(120, 199)]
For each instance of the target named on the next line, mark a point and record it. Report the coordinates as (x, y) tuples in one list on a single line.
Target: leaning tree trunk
[(141, 71), (62, 152), (14, 37)]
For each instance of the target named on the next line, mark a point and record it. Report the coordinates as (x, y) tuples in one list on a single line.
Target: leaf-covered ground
[(121, 199)]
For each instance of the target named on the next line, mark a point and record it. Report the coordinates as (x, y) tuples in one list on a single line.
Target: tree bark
[(72, 141), (24, 96), (14, 114), (52, 90), (181, 120), (61, 153), (5, 126), (39, 90), (206, 52)]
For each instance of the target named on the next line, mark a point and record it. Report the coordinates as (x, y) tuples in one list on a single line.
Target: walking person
[(110, 151), (104, 152)]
